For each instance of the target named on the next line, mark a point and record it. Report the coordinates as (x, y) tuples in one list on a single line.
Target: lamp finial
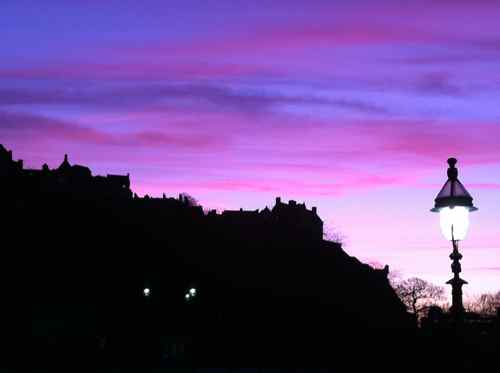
[(452, 170)]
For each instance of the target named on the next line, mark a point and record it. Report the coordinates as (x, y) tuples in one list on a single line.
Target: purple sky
[(352, 106)]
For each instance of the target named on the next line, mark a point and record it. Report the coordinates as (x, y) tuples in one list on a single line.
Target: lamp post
[(454, 203)]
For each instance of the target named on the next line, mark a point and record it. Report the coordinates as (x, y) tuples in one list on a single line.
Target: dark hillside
[(79, 258)]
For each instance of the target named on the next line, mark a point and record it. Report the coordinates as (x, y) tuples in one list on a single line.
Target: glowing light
[(146, 292), (192, 292), (458, 217)]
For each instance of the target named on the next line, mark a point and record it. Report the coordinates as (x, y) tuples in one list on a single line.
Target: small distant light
[(187, 296), (192, 292), (146, 292)]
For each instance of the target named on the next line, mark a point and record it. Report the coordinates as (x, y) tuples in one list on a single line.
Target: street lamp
[(454, 203)]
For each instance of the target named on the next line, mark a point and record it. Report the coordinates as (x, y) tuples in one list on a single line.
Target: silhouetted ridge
[(84, 248)]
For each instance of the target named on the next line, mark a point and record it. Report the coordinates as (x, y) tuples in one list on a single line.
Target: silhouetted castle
[(67, 178), (290, 219), (283, 219)]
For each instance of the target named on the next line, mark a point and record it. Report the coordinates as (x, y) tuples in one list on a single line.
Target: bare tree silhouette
[(189, 199), (418, 294), (484, 304), (335, 236)]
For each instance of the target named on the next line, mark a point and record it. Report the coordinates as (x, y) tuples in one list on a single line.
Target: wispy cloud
[(180, 95), (438, 83), (34, 128), (494, 269)]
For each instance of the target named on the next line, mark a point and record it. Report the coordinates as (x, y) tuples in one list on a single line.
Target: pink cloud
[(324, 151), (350, 183), (491, 186), (35, 127), (162, 97), (293, 37), (264, 52), (147, 70)]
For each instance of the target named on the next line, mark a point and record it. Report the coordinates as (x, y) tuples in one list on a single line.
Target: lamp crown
[(453, 193)]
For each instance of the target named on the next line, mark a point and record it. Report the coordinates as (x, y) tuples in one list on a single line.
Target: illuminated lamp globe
[(454, 222), (454, 204)]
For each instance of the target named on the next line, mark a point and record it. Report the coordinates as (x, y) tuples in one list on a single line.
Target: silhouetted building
[(289, 221), (72, 179), (9, 167), (295, 217)]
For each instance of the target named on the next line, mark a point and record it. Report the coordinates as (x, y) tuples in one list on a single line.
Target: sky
[(350, 106)]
